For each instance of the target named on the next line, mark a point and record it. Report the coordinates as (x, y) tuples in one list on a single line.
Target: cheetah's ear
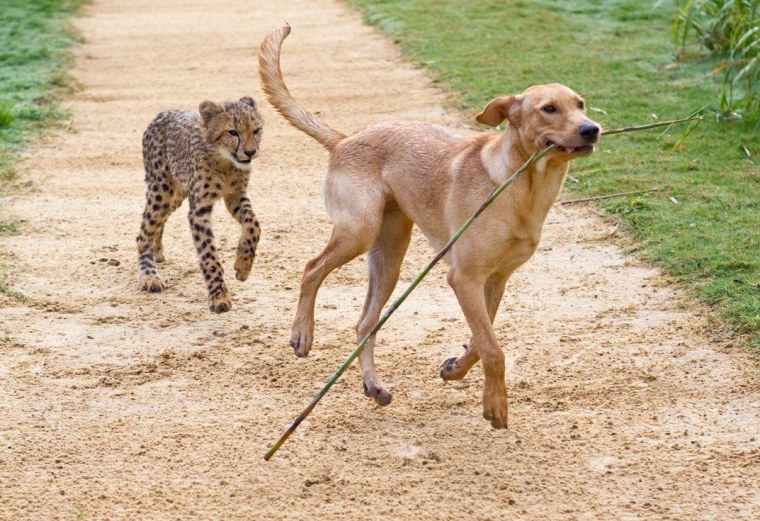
[(248, 101), (208, 110)]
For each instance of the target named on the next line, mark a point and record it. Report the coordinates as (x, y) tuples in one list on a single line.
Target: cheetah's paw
[(220, 303), (243, 267), (151, 284)]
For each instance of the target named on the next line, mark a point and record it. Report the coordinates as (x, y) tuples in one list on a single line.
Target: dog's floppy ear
[(506, 107), (208, 110), (248, 101)]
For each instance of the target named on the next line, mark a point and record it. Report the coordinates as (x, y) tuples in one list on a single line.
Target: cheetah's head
[(234, 129)]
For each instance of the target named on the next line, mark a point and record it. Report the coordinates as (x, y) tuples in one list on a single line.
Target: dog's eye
[(550, 109), (232, 132), (581, 105), (256, 132)]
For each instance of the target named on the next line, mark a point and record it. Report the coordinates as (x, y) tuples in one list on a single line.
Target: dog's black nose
[(250, 153), (589, 131)]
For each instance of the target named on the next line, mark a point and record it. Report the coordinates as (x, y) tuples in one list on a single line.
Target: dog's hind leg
[(384, 263), (457, 368), (357, 216)]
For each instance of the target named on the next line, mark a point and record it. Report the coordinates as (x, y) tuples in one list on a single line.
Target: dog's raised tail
[(279, 96)]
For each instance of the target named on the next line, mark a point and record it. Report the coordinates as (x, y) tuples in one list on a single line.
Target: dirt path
[(118, 405)]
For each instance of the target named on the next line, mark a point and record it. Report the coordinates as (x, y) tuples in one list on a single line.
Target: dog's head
[(234, 129), (546, 115)]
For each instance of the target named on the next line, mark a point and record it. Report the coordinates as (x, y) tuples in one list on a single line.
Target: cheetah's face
[(234, 129)]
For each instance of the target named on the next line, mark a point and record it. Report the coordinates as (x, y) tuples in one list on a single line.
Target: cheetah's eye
[(232, 133), (256, 132), (550, 109)]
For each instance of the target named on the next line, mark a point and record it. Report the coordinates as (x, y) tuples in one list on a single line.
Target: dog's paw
[(450, 370), (495, 406), (151, 284), (301, 339), (378, 393), (220, 303)]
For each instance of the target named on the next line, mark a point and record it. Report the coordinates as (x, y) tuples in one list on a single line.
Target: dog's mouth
[(583, 149)]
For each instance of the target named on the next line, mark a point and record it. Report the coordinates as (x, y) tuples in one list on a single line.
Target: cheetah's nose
[(250, 153)]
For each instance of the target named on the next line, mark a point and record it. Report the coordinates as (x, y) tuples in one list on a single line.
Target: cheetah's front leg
[(239, 206), (200, 224)]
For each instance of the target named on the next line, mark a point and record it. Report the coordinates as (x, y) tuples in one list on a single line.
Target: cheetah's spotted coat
[(202, 158)]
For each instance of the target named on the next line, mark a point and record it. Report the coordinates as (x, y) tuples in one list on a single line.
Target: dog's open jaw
[(581, 150)]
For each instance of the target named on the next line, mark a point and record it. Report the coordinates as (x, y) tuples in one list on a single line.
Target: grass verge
[(702, 226), (34, 37)]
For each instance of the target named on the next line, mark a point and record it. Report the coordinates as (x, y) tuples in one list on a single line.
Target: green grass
[(33, 42), (730, 30), (10, 228), (34, 37), (5, 286), (5, 289), (620, 56)]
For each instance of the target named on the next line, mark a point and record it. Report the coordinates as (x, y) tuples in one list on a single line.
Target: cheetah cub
[(202, 158)]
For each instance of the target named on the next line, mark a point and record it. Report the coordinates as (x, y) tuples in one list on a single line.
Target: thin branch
[(651, 125), (610, 196)]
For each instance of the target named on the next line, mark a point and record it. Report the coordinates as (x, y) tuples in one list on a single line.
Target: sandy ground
[(120, 405)]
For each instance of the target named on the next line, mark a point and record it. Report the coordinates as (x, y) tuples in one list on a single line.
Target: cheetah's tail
[(279, 96)]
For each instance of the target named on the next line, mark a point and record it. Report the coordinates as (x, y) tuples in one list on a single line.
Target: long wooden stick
[(497, 191), (610, 196)]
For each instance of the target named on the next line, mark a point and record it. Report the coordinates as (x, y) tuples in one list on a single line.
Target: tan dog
[(387, 177)]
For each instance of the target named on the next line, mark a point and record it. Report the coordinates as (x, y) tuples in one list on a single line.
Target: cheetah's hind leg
[(152, 226), (174, 202)]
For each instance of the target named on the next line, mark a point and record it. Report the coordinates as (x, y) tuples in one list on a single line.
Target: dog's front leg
[(457, 368), (470, 291)]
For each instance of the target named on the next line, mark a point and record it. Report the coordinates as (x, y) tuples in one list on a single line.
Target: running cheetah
[(202, 158)]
